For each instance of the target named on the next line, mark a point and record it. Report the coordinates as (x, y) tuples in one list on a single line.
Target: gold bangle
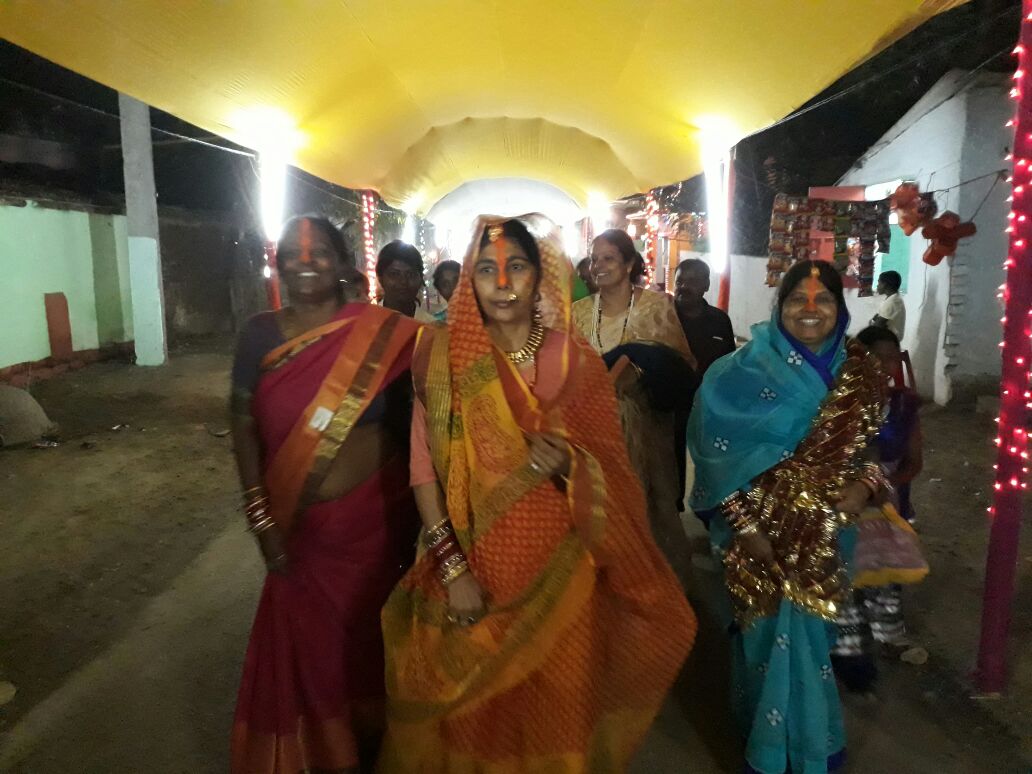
[(256, 506), (749, 529), (255, 512), (438, 525), (452, 567), (451, 561), (454, 574), (257, 527), (438, 533), (738, 518)]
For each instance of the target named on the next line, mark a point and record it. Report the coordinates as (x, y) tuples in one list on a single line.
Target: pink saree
[(312, 690)]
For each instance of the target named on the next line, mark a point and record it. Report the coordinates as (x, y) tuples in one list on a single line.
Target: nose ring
[(513, 298)]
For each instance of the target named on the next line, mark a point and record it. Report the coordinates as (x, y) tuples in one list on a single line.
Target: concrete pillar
[(141, 208)]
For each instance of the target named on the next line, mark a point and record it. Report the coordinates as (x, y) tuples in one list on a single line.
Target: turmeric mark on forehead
[(306, 241), (813, 287), (496, 235)]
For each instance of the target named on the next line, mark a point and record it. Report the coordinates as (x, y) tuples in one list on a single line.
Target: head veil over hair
[(555, 277), (579, 599)]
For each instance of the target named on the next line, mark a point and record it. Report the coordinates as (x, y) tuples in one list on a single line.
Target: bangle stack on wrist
[(256, 509), (447, 553), (874, 479), (737, 514)]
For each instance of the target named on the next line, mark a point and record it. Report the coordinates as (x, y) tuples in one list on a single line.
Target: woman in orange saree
[(321, 407), (540, 628)]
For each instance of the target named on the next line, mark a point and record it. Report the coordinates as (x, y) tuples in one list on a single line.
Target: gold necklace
[(534, 341)]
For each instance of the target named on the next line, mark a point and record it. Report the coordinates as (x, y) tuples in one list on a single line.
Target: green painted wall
[(84, 256), (897, 259), (110, 268)]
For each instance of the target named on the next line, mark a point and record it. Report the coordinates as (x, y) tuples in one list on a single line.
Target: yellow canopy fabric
[(414, 97)]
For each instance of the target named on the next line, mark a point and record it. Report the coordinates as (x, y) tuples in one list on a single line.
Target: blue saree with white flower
[(787, 427)]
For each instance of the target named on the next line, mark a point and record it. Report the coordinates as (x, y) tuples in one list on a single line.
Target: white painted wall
[(954, 134), (925, 146), (978, 267)]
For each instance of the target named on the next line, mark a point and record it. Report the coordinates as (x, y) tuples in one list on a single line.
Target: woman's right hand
[(466, 603), (273, 548), (758, 546)]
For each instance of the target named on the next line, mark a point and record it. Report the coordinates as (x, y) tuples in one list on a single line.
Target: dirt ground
[(127, 588)]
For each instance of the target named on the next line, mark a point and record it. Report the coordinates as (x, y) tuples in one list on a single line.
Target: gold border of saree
[(377, 338)]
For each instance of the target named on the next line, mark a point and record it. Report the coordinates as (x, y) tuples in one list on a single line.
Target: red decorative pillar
[(1015, 390), (651, 240)]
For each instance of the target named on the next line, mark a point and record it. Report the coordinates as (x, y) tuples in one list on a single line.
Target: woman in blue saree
[(778, 436)]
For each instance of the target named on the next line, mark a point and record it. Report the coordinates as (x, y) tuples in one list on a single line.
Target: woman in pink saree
[(321, 411)]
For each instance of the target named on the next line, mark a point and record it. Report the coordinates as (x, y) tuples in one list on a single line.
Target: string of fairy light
[(369, 212), (1012, 439)]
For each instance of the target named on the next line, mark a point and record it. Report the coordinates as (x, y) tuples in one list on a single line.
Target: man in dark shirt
[(707, 329)]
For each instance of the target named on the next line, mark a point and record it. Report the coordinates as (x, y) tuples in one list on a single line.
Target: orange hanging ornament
[(913, 209), (944, 232)]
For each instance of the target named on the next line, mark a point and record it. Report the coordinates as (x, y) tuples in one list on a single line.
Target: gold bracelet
[(256, 506), (438, 533), (454, 574), (738, 518), (451, 561), (259, 526), (438, 525), (452, 567), (256, 509)]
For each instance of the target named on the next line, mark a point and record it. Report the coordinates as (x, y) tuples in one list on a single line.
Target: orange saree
[(586, 626), (311, 695)]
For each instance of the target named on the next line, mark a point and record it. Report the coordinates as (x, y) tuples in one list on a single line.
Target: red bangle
[(444, 548)]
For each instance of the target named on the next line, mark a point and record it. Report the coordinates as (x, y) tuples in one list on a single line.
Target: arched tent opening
[(454, 214)]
